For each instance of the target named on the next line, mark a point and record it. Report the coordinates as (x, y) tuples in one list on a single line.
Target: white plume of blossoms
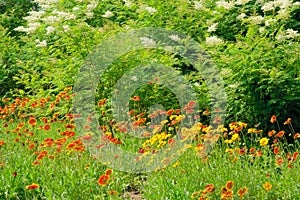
[(213, 41), (242, 2), (212, 28), (64, 15), (66, 28), (46, 4), (175, 38), (241, 16), (198, 5), (50, 29), (290, 33), (150, 10), (41, 43), (128, 3), (268, 6), (89, 9), (283, 14), (108, 14), (283, 4), (147, 42), (226, 5), (255, 19), (270, 21)]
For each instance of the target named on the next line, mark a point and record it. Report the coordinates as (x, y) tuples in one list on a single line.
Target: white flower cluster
[(148, 42), (148, 9), (30, 29), (213, 41), (89, 9), (212, 28), (198, 5), (128, 3), (64, 15), (175, 38), (41, 43), (46, 4), (289, 34), (255, 19), (226, 5), (108, 14), (242, 2)]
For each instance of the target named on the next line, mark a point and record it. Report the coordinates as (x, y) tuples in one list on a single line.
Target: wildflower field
[(227, 128)]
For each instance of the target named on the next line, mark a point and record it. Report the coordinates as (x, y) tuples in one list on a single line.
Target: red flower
[(280, 134), (108, 172), (191, 104), (229, 185), (135, 98), (242, 192), (70, 126), (32, 121), (273, 119), (169, 112), (297, 135), (288, 121), (103, 180), (32, 186), (276, 149), (47, 127), (295, 155)]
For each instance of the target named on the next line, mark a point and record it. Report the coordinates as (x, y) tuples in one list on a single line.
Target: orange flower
[(288, 121), (20, 125), (226, 195), (276, 150), (101, 102), (295, 155), (297, 135), (191, 104), (229, 185), (70, 126), (267, 186), (206, 112), (271, 133), (32, 121), (103, 180), (47, 127), (135, 98), (169, 112), (112, 192), (32, 186), (2, 142), (273, 119), (210, 188), (108, 172), (280, 134), (242, 192), (279, 161)]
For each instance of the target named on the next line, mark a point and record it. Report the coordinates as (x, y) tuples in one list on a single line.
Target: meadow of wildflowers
[(252, 155)]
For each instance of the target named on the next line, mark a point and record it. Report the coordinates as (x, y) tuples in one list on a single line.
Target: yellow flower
[(176, 164), (163, 122), (224, 130), (267, 186), (229, 150), (235, 137), (263, 141), (228, 141), (251, 130), (242, 124)]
